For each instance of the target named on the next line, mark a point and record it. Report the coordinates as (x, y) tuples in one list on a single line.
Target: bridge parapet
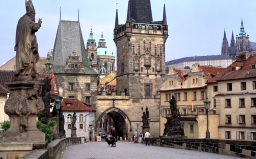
[(239, 148)]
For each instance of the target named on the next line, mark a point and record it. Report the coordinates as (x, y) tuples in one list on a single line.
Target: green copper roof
[(101, 38), (91, 38), (104, 52)]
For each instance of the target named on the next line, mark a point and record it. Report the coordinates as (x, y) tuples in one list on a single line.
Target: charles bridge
[(164, 147)]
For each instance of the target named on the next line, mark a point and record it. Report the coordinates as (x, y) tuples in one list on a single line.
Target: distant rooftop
[(198, 58)]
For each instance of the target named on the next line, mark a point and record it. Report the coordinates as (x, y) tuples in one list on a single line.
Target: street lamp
[(57, 105), (207, 106)]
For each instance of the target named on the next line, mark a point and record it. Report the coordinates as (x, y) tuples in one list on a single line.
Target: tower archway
[(114, 117)]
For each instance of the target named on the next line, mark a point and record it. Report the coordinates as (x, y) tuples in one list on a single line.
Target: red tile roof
[(181, 74), (238, 70), (74, 105), (209, 72), (5, 77)]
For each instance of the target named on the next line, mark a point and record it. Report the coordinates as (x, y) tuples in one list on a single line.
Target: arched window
[(69, 117), (92, 56), (106, 66), (81, 118), (69, 126)]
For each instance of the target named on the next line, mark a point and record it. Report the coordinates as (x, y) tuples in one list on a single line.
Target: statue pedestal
[(23, 106), (173, 127), (73, 132)]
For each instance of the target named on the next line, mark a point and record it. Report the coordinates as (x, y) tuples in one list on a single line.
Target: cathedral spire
[(140, 11), (164, 17), (232, 43), (224, 37), (224, 48), (128, 20)]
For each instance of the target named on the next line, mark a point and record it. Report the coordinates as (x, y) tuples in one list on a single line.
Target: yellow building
[(234, 98), (189, 89)]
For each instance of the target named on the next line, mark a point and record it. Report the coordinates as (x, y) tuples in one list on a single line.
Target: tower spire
[(242, 32), (78, 14), (128, 20), (140, 11), (117, 21), (232, 42), (224, 48), (164, 17), (60, 13)]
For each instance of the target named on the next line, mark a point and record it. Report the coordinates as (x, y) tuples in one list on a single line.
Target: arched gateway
[(114, 117)]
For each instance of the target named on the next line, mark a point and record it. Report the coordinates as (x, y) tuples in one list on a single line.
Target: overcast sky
[(195, 26)]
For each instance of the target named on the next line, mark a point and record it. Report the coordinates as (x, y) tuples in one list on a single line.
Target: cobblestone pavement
[(130, 150)]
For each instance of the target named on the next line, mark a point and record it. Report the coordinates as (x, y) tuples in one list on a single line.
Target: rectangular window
[(253, 119), (202, 95), (253, 84), (166, 97), (253, 135), (253, 102), (191, 128), (194, 95), (87, 87), (166, 112), (81, 118), (241, 135), (81, 126), (214, 103), (88, 99), (69, 126), (147, 90), (254, 66), (178, 96), (228, 103), (241, 103), (185, 96), (215, 88), (70, 86), (228, 119), (241, 119), (229, 86), (227, 135), (243, 86)]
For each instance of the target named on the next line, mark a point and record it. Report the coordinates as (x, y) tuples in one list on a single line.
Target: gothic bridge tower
[(140, 46)]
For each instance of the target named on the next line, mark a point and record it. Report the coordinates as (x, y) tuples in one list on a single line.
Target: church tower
[(140, 51), (224, 47), (92, 51), (242, 40)]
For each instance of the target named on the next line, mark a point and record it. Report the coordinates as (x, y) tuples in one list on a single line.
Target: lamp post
[(57, 104), (207, 106)]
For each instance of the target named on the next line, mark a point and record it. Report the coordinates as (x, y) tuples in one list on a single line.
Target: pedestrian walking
[(146, 136)]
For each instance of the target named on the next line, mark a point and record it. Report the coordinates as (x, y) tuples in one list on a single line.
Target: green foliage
[(47, 129), (6, 125)]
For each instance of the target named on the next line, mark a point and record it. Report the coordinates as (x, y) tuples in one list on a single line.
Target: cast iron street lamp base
[(207, 134)]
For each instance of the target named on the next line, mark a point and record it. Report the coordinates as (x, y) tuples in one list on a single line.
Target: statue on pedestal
[(26, 46), (25, 102), (73, 124)]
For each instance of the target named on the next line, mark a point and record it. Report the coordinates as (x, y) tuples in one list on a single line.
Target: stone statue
[(26, 46), (173, 106), (144, 119), (147, 113), (73, 124)]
